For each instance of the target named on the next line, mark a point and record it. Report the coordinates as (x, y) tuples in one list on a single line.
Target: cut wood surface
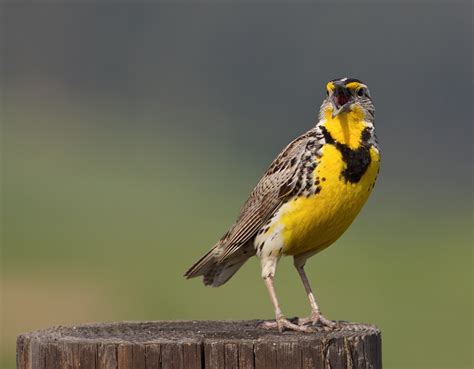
[(198, 345)]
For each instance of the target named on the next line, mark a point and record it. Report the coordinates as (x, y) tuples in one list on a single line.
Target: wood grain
[(198, 345)]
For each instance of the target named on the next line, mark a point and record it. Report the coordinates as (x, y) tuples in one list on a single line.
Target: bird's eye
[(361, 92)]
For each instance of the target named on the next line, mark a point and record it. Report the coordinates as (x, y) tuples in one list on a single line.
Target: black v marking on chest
[(357, 160)]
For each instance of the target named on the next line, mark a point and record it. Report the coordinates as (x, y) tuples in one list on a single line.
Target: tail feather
[(202, 266), (216, 271)]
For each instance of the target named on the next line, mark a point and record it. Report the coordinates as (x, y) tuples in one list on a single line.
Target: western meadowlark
[(307, 198)]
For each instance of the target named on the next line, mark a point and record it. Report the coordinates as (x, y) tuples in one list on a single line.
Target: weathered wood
[(198, 345)]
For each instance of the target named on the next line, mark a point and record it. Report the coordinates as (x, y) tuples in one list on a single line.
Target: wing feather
[(268, 195)]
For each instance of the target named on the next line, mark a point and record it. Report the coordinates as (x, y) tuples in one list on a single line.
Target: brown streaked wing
[(269, 194)]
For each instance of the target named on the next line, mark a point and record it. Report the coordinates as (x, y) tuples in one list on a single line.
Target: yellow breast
[(313, 223)]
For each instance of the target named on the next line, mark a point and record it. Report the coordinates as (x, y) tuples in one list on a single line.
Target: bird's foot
[(282, 323), (317, 319)]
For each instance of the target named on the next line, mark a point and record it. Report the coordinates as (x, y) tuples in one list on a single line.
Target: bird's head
[(346, 95)]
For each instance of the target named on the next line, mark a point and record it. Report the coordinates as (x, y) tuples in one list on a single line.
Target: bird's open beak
[(341, 99)]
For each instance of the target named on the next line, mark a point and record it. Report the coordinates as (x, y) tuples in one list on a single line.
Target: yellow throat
[(346, 128)]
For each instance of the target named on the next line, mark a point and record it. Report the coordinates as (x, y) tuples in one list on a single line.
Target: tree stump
[(198, 345)]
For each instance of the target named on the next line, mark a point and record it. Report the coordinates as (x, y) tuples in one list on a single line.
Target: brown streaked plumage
[(236, 246)]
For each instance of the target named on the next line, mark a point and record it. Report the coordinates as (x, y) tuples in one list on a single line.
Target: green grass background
[(101, 227)]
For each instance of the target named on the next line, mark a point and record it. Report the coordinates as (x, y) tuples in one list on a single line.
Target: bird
[(307, 198)]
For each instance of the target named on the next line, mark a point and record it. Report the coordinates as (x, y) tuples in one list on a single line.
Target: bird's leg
[(316, 316), (281, 321)]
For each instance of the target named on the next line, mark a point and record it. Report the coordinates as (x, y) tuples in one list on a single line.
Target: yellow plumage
[(313, 223)]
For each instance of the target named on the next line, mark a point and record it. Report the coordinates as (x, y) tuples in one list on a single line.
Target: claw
[(283, 323)]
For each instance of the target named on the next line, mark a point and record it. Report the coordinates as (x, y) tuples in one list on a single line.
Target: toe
[(316, 320), (326, 322), (294, 327), (270, 325), (282, 324)]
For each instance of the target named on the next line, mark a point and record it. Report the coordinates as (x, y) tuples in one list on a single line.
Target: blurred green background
[(132, 134)]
